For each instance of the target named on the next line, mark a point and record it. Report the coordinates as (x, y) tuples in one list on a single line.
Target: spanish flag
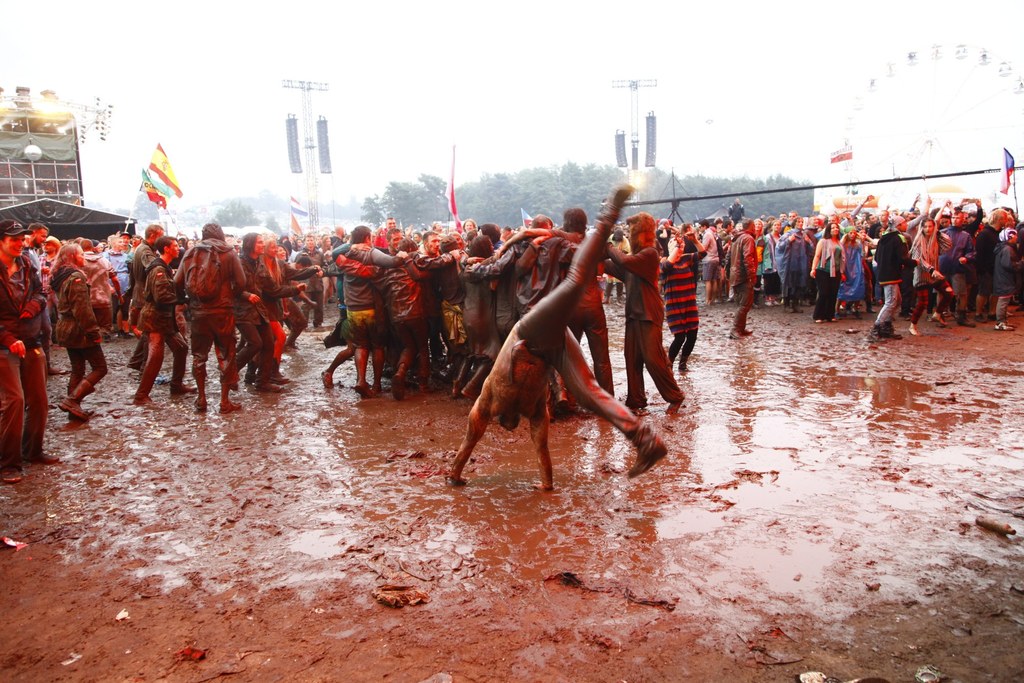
[(162, 168)]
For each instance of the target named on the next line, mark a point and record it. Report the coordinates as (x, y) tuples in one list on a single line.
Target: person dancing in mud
[(518, 384)]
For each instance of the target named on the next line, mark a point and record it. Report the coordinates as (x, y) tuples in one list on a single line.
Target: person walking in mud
[(77, 329), (742, 276), (892, 255), (142, 257), (518, 384), (645, 313), (157, 320), (211, 277)]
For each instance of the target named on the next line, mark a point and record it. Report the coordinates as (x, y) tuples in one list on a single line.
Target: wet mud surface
[(816, 512)]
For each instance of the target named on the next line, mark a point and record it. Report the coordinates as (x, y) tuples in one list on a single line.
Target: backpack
[(202, 274)]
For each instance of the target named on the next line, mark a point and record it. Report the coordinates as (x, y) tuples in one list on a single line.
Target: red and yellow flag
[(162, 168)]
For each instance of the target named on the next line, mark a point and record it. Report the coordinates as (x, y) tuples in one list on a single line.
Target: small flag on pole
[(527, 218), (297, 212), (1008, 164), (162, 171), (154, 191), (450, 194), (842, 154)]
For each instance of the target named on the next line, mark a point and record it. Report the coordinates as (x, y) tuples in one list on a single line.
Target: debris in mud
[(818, 677), (74, 657), (928, 674), (122, 615), (399, 455), (11, 543), (571, 580), (439, 678), (942, 383), (399, 596), (994, 526), (873, 587), (190, 654)]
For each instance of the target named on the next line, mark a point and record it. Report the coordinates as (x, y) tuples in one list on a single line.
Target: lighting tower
[(634, 117), (309, 143)]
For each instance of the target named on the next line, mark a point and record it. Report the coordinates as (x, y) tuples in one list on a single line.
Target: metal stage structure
[(309, 146)]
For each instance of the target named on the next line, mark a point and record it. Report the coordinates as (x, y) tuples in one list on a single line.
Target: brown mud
[(815, 513)]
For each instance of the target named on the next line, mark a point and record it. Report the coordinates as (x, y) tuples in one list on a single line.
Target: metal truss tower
[(634, 116), (309, 144)]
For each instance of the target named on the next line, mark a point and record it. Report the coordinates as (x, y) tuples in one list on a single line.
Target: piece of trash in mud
[(798, 577), (122, 615), (942, 383), (10, 542), (399, 596), (961, 631), (573, 581), (873, 586), (190, 654), (850, 330), (1016, 589), (997, 527), (816, 677), (928, 674), (72, 658), (439, 678)]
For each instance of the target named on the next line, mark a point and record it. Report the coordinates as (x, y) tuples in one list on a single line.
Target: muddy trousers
[(211, 330), (644, 349), (594, 326), (255, 345), (23, 406), (93, 355), (744, 293), (155, 359)]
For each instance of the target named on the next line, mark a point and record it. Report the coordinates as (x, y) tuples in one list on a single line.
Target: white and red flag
[(450, 194)]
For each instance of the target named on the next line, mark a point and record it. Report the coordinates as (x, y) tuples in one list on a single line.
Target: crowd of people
[(430, 310)]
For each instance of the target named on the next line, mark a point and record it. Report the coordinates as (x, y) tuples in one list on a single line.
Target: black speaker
[(652, 139), (291, 125), (321, 143), (620, 148)]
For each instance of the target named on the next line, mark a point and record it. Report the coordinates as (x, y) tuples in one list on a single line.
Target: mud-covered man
[(518, 384)]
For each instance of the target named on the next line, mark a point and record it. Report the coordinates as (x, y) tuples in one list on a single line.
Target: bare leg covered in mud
[(518, 384)]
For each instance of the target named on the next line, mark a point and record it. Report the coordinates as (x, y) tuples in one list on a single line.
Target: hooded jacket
[(891, 256), (76, 322), (1007, 265)]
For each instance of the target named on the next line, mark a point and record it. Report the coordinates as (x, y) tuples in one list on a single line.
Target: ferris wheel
[(934, 111)]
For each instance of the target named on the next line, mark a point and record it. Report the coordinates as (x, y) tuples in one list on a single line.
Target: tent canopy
[(67, 221)]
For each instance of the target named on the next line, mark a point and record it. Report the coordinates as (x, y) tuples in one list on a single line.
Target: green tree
[(272, 225), (372, 211), (235, 213)]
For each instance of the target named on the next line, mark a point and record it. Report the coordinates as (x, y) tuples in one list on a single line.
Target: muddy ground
[(816, 513)]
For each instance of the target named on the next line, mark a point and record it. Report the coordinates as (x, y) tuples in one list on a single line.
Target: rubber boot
[(250, 372), (459, 376), (71, 404)]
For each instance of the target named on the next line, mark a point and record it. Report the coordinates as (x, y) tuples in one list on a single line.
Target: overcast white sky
[(741, 88)]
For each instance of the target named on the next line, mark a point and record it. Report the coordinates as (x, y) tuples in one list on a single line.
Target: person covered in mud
[(518, 384), (679, 281), (157, 319), (588, 317), (483, 342), (403, 290), (365, 311), (77, 329), (645, 313), (443, 259), (216, 264), (255, 349), (23, 403)]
